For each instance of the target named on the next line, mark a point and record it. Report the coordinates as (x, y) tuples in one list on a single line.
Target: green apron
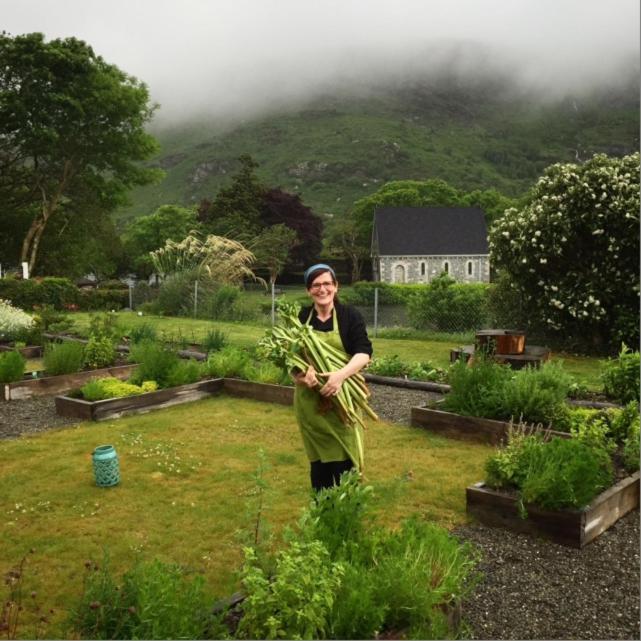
[(325, 437)]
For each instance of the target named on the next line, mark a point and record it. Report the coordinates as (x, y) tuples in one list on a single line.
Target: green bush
[(155, 363), (63, 358), (417, 370), (228, 362), (566, 473), (142, 332), (621, 376), (182, 372), (362, 293), (27, 294), (214, 340), (631, 448), (102, 299), (445, 305), (99, 352), (11, 367), (262, 372), (297, 601), (99, 389), (154, 600)]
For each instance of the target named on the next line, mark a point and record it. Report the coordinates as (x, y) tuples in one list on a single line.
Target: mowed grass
[(584, 369), (187, 493)]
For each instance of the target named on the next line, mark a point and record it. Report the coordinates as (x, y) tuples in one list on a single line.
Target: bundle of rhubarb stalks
[(295, 346)]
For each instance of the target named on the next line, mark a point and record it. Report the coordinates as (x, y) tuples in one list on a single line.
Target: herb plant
[(63, 358), (11, 366)]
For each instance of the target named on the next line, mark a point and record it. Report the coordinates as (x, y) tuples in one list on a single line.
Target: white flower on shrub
[(581, 250), (12, 320)]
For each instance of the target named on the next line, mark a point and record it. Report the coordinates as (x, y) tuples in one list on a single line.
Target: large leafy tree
[(280, 207), (148, 233), (235, 211), (572, 252), (272, 249), (71, 132)]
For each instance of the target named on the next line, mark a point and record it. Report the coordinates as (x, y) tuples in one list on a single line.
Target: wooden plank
[(73, 407), (469, 428), (571, 527), (116, 407), (260, 391), (63, 383), (428, 386), (609, 507), (30, 351)]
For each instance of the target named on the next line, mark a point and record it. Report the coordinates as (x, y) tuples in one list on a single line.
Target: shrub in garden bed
[(63, 358), (109, 387), (160, 364), (621, 376), (227, 363), (417, 370), (489, 390), (343, 577), (12, 366)]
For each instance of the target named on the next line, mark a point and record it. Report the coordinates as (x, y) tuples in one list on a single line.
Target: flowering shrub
[(572, 253), (13, 321)]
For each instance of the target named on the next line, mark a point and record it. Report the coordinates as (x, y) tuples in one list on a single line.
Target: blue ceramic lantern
[(106, 468)]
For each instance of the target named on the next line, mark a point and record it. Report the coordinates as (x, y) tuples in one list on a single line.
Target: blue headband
[(318, 266)]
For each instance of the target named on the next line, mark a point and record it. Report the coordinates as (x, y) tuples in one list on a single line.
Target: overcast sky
[(245, 56)]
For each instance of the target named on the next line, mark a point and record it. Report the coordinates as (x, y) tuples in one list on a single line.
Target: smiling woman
[(332, 447)]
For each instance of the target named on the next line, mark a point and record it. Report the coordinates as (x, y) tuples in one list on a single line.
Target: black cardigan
[(351, 327)]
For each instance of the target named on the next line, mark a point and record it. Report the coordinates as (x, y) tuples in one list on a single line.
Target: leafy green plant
[(99, 352), (631, 447), (155, 363), (296, 603), (99, 389), (621, 376), (622, 421), (228, 362), (142, 332), (182, 372), (388, 366), (154, 600), (214, 340), (566, 473), (63, 358), (262, 372), (11, 366), (105, 326)]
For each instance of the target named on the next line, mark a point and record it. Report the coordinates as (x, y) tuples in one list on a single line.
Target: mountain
[(340, 147)]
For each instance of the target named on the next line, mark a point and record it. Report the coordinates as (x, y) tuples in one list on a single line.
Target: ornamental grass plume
[(294, 345), (219, 259)]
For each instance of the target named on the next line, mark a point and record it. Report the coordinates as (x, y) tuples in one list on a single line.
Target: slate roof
[(420, 231)]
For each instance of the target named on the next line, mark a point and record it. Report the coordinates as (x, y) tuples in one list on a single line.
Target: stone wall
[(423, 269)]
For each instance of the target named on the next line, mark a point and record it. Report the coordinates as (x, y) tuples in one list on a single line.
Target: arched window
[(470, 268), (422, 269), (446, 267)]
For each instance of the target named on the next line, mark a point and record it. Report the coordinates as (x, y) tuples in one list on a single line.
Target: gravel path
[(531, 588)]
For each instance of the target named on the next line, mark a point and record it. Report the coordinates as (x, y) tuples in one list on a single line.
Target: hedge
[(60, 293)]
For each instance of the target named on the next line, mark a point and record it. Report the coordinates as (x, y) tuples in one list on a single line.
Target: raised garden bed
[(116, 407), (62, 383), (30, 351), (574, 528), (469, 428)]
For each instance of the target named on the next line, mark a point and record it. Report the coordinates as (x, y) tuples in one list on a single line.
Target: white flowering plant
[(13, 321), (572, 252)]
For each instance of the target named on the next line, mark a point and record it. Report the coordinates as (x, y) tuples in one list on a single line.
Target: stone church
[(417, 244)]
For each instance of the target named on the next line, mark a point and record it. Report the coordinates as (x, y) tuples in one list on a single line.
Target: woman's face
[(323, 289)]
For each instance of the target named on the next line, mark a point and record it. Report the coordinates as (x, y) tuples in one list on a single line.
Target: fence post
[(273, 304), (375, 311), (195, 299), (131, 297)]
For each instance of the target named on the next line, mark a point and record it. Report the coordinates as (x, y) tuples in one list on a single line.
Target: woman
[(330, 445)]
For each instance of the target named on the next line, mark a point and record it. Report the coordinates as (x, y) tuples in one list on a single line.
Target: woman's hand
[(333, 384), (308, 379)]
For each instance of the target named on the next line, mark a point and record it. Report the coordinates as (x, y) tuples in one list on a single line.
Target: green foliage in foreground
[(12, 366), (621, 376)]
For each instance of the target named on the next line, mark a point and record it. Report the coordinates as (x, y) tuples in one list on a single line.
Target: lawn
[(187, 493), (584, 369)]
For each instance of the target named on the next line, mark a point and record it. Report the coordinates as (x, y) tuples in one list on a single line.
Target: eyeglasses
[(316, 287)]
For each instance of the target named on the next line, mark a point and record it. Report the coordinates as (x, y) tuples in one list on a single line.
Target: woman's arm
[(335, 379)]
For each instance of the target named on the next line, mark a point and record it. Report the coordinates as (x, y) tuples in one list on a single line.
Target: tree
[(147, 233), (572, 252), (278, 206), (343, 240), (72, 131), (235, 211), (272, 249)]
